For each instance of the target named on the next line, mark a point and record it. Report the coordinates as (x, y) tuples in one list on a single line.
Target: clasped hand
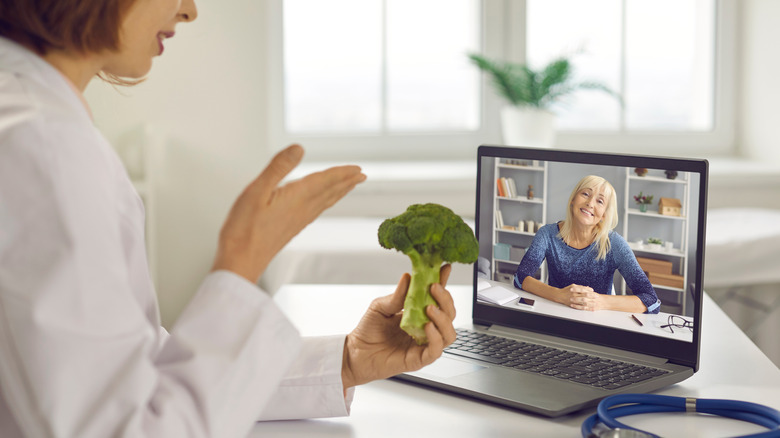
[(582, 298)]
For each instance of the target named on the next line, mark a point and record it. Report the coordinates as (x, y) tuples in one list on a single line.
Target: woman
[(82, 352), (582, 254)]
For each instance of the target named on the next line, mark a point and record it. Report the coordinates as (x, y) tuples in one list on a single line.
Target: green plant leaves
[(523, 86)]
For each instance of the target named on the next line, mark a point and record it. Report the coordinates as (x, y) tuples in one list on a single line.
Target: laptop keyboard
[(562, 364)]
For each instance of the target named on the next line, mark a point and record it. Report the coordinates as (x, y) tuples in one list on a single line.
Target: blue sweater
[(567, 265)]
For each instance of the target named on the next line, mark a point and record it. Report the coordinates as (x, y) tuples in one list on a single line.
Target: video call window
[(655, 210)]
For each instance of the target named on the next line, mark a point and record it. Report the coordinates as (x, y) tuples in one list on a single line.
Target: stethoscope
[(621, 405)]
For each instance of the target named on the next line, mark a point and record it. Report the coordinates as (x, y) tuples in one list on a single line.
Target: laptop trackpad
[(446, 368)]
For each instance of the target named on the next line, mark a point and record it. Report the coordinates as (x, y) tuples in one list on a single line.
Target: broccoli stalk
[(429, 234), (425, 272)]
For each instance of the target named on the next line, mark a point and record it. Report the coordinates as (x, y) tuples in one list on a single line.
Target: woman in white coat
[(82, 352)]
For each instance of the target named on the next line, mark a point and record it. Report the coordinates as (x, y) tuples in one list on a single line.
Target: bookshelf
[(520, 206), (638, 226)]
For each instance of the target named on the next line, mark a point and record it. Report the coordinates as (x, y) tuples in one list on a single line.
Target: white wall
[(760, 80), (208, 95), (754, 181)]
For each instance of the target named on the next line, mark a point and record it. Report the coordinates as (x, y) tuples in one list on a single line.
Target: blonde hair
[(607, 223)]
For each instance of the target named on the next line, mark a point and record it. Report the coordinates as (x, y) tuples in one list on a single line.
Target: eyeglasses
[(679, 322)]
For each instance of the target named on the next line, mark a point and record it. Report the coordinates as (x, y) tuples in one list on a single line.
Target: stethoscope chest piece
[(624, 433)]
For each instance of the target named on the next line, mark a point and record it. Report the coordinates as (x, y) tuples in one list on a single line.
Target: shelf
[(521, 199), (507, 261), (518, 208), (673, 289), (675, 253), (515, 166), (657, 179), (674, 228), (521, 233), (655, 214)]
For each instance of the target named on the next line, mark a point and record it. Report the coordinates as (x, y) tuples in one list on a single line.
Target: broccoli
[(429, 234)]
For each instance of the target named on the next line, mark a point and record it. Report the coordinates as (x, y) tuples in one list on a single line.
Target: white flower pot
[(527, 126)]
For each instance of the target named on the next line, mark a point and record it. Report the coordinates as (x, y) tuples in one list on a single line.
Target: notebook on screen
[(525, 349)]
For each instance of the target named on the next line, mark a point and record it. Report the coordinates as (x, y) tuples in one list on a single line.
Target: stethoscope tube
[(621, 405)]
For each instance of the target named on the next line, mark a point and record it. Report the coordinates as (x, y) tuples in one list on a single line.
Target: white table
[(732, 367), (651, 323)]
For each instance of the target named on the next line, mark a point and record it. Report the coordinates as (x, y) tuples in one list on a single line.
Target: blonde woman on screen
[(583, 252)]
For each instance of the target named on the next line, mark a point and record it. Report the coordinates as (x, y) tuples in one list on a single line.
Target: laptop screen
[(557, 227)]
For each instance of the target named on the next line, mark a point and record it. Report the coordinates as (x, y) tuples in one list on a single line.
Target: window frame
[(502, 40), (719, 141)]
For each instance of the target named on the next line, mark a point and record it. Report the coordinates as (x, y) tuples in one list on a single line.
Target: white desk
[(651, 323), (732, 367)]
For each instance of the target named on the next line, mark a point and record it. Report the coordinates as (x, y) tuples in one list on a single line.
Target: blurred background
[(388, 85)]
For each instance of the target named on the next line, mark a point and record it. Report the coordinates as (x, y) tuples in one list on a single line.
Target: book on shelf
[(512, 188), (499, 219), (506, 187), (500, 188)]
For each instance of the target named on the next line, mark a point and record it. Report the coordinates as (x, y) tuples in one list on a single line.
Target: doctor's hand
[(377, 348), (266, 215)]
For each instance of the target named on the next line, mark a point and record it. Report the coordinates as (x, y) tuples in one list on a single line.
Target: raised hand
[(266, 216)]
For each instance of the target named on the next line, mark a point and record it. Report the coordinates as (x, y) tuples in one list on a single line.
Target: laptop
[(530, 353)]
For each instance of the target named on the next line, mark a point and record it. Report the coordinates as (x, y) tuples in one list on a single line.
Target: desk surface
[(651, 323), (732, 367)]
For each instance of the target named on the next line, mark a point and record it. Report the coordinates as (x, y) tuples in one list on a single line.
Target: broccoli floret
[(429, 234)]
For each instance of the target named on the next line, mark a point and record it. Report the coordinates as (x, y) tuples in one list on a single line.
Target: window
[(658, 55), (390, 79), (672, 61), (380, 68)]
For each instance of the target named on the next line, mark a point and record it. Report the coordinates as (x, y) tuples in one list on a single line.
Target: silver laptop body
[(666, 343)]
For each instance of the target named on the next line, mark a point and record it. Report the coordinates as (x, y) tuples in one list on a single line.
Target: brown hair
[(80, 25)]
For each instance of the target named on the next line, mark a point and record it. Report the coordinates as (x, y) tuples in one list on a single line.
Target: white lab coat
[(82, 352)]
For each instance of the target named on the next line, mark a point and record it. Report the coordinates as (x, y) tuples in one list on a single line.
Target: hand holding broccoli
[(377, 348), (429, 234)]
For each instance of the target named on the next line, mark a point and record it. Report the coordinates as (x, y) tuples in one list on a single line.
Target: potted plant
[(654, 243), (643, 201), (527, 120)]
